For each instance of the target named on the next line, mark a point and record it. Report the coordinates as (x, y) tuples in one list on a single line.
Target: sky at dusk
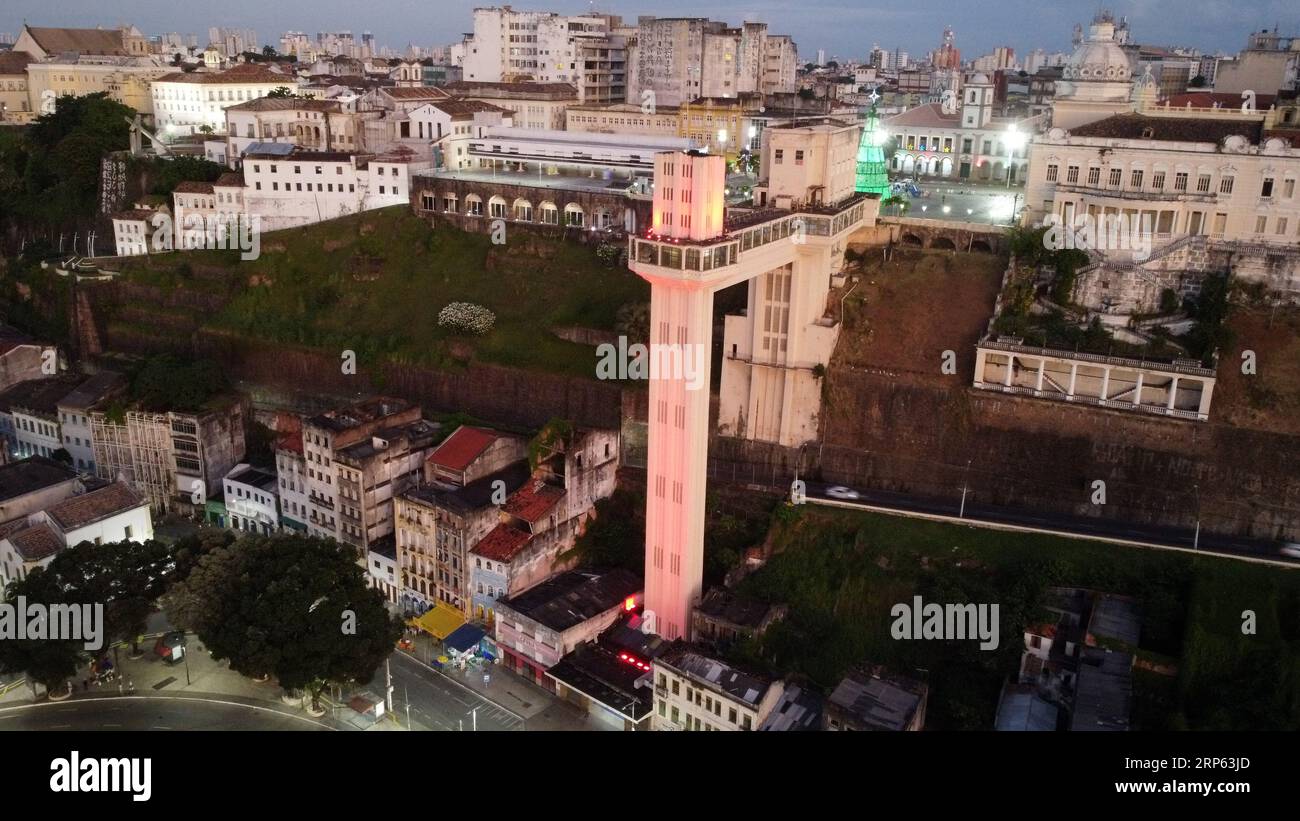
[(844, 28)]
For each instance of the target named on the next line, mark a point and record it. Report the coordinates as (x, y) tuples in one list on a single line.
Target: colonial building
[(185, 102), (964, 141)]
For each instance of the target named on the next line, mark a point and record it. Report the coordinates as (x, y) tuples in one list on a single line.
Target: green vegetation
[(166, 383), (375, 283), (49, 172), (290, 606), (841, 572)]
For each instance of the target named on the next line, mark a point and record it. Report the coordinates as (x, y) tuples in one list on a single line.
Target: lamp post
[(1015, 141)]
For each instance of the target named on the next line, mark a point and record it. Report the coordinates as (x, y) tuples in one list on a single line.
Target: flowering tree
[(467, 317)]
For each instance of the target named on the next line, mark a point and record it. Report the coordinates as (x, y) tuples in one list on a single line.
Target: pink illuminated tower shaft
[(681, 315)]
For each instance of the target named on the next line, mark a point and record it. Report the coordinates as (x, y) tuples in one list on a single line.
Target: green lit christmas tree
[(872, 176)]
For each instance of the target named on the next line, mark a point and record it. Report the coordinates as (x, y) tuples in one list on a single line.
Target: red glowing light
[(629, 604)]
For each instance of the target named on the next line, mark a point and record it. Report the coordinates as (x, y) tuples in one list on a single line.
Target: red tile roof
[(502, 543), (193, 187), (55, 41), (87, 508), (462, 447), (534, 500), (36, 543), (242, 73)]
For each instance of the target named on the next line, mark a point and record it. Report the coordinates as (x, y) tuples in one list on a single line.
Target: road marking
[(1068, 534)]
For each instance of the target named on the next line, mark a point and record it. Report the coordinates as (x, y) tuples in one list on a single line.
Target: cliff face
[(909, 436)]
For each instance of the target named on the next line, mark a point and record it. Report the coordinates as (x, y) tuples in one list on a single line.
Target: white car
[(841, 492), (1291, 549)]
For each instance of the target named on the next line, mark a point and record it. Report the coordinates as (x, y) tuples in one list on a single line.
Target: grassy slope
[(842, 571), (374, 283)]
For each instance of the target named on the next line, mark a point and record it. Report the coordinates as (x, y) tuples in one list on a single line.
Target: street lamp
[(1015, 141)]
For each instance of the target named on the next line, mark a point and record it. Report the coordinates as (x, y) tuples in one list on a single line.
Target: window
[(1135, 179), (1225, 185), (1203, 184), (1115, 176), (1072, 176), (1094, 176), (1261, 224), (780, 156), (1288, 188), (1051, 173), (1158, 180), (1281, 226), (1180, 181), (798, 158), (1266, 191)]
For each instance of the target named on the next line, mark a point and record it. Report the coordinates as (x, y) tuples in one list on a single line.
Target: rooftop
[(460, 449), (30, 475), (286, 104), (476, 495), (1022, 710), (502, 543), (36, 542), (798, 709), (597, 672), (418, 433), (572, 598), (39, 395), (83, 41), (263, 480), (241, 73), (193, 187), (343, 419), (1104, 693), (534, 500), (740, 685), (1170, 129), (95, 389), (94, 506), (723, 604), (879, 701)]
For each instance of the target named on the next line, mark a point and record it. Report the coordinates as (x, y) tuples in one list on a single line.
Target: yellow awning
[(441, 621)]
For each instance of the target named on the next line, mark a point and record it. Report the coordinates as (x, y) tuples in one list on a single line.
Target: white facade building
[(185, 102), (252, 504), (286, 186)]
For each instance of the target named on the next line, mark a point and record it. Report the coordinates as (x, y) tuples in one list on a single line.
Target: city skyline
[(917, 28)]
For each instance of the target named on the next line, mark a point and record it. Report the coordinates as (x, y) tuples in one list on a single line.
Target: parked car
[(171, 647), (1291, 549), (841, 492)]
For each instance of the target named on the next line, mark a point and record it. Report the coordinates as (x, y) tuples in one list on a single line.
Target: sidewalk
[(198, 676), (538, 708)]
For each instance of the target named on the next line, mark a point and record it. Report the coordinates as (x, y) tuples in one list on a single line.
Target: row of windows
[(1182, 179)]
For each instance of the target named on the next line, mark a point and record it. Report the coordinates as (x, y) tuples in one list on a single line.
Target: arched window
[(574, 216), (523, 210)]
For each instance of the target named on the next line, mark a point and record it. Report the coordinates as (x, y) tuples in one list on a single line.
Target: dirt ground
[(1269, 399), (905, 313)]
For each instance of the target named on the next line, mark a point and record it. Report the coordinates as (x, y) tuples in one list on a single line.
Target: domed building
[(1097, 82)]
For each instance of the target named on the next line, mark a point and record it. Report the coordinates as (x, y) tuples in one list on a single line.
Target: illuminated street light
[(1015, 141)]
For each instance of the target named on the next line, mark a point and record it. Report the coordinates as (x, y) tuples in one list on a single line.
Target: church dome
[(1099, 58)]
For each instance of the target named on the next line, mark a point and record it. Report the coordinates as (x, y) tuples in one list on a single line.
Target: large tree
[(125, 577), (291, 606)]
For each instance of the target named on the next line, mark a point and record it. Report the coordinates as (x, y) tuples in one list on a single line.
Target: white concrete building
[(286, 186), (534, 45), (112, 513), (252, 503), (185, 102)]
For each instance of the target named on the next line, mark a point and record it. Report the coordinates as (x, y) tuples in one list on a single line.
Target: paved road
[(439, 704), (983, 204), (1149, 535), (153, 713)]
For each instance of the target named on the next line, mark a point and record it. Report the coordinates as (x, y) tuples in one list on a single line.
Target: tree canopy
[(291, 606)]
